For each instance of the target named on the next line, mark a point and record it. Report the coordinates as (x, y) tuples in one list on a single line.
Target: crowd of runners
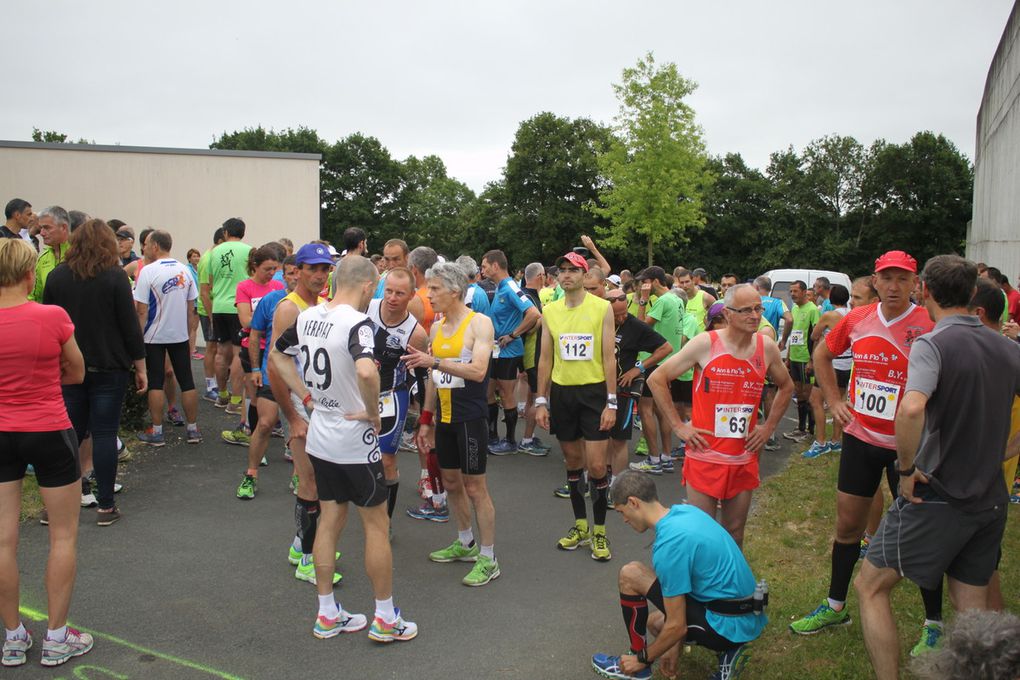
[(349, 357)]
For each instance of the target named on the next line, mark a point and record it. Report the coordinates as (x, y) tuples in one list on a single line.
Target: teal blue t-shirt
[(694, 556)]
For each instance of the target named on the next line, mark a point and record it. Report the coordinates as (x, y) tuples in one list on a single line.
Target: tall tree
[(429, 204), (656, 168), (359, 181)]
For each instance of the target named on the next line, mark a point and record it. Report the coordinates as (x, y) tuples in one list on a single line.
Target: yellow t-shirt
[(577, 340)]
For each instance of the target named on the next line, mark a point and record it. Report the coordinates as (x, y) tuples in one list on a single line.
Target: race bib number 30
[(796, 338), (876, 399), (577, 346), (387, 406), (445, 381), (732, 420)]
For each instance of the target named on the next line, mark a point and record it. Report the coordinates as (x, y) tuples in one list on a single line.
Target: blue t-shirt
[(262, 320), (278, 276), (380, 287), (826, 307), (477, 300), (694, 556), (507, 311), (774, 309)]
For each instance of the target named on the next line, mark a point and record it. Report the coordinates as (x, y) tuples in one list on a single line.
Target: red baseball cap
[(896, 259), (575, 260)]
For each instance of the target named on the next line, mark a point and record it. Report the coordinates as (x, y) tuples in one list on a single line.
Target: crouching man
[(699, 581)]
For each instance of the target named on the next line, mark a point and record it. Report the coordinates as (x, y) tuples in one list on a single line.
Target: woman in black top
[(92, 286)]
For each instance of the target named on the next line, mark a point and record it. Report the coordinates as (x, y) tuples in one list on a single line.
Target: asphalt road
[(194, 583)]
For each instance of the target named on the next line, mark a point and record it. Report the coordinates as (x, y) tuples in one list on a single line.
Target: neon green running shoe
[(575, 538), (246, 491), (306, 572), (294, 556), (485, 569), (642, 447), (455, 552), (822, 617), (237, 437), (931, 639)]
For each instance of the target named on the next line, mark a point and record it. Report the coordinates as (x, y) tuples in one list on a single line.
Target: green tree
[(656, 168), (360, 181), (835, 167), (56, 137), (289, 140), (429, 204)]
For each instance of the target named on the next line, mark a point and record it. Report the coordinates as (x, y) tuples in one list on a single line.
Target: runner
[(698, 301), (633, 337), (726, 282), (395, 329), (798, 336), (226, 269), (579, 361), (211, 393), (699, 581), (395, 252), (951, 513), (475, 298), (534, 274), (880, 336), (336, 341), (55, 230), (165, 302), (822, 288), (513, 315), (724, 436), (838, 297), (461, 350)]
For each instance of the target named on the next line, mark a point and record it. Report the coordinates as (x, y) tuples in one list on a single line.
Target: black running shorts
[(861, 466), (226, 328), (53, 455), (180, 360), (699, 630), (505, 368), (359, 483), (575, 412), (463, 446)]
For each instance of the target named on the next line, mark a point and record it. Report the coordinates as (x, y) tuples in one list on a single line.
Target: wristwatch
[(906, 473)]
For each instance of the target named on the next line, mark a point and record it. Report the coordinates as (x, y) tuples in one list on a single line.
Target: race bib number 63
[(732, 420)]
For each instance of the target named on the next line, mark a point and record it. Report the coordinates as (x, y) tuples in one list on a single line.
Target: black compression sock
[(932, 602), (493, 420), (844, 557), (391, 500), (635, 617), (510, 418), (307, 516), (575, 480), (253, 417), (802, 411), (599, 500)]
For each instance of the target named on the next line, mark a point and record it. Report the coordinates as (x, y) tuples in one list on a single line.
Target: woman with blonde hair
[(35, 430)]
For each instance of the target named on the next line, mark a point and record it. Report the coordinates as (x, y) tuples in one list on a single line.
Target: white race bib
[(796, 338), (577, 346), (445, 381), (387, 405), (495, 350), (876, 398), (732, 420)]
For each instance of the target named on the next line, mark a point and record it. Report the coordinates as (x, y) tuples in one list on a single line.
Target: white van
[(782, 278)]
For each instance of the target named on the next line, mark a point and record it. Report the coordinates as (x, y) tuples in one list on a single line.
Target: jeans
[(94, 408)]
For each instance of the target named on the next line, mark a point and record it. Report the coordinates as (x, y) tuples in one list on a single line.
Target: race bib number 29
[(577, 346), (876, 398), (732, 420)]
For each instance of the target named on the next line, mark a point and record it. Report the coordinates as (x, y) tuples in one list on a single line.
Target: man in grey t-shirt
[(952, 426)]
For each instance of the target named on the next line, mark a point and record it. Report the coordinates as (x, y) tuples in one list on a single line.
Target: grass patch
[(31, 501)]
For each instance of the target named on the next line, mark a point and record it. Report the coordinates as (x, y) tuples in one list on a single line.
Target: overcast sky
[(456, 78)]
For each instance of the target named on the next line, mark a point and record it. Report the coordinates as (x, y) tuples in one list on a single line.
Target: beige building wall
[(188, 192), (994, 234)]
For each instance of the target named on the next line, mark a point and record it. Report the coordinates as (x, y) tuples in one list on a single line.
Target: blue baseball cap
[(313, 253)]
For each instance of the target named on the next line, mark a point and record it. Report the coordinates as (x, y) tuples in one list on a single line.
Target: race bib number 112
[(577, 346)]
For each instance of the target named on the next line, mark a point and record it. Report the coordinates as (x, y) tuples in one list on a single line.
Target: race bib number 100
[(732, 420), (577, 346), (876, 399)]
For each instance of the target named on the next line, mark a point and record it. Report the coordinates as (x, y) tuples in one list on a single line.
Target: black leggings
[(180, 359), (699, 630)]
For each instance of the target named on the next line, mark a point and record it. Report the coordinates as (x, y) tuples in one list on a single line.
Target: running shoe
[(600, 547), (15, 651), (197, 356), (306, 572), (562, 491), (796, 435), (931, 639), (864, 547), (294, 481), (221, 402), (678, 452), (574, 539), (504, 447), (646, 466), (609, 667), (44, 517), (1015, 499), (822, 617), (345, 622), (234, 408), (123, 453), (667, 465), (151, 438), (540, 444), (75, 644), (211, 395), (642, 447), (485, 569), (174, 417), (264, 462), (533, 448), (772, 444), (278, 431), (287, 456), (105, 519), (637, 422), (88, 500), (399, 629), (294, 556), (816, 449), (424, 488), (236, 437), (456, 552), (731, 663), (427, 510), (835, 446), (407, 442), (194, 436), (246, 491)]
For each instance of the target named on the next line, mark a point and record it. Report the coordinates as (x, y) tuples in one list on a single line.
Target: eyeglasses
[(616, 298), (757, 309)]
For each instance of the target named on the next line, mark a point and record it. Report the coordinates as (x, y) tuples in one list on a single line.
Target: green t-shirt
[(666, 318), (228, 266), (203, 275), (805, 317), (690, 329)]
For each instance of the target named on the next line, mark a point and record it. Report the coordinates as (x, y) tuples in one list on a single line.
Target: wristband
[(435, 363), (308, 398), (642, 656), (909, 471), (541, 401), (425, 418)]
